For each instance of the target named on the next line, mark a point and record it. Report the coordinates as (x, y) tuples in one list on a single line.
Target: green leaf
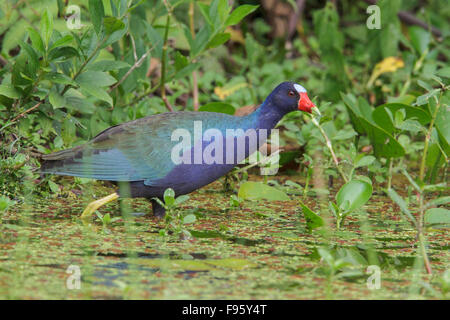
[(169, 197), (56, 100), (62, 53), (108, 65), (190, 218), (420, 39), (9, 91), (46, 27), (36, 40), (218, 40), (381, 117), (58, 78), (437, 216), (364, 161), (5, 203), (33, 61), (384, 144), (97, 13), (439, 201), (96, 79), (257, 190), (444, 72), (204, 11), (53, 186), (443, 128), (219, 107), (200, 41), (353, 111), (356, 192), (239, 13), (313, 220), (180, 61), (401, 203), (97, 92), (113, 24), (62, 41), (181, 199)]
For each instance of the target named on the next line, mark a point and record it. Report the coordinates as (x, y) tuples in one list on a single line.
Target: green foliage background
[(131, 59)]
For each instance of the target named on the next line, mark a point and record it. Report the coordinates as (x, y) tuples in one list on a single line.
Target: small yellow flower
[(389, 64)]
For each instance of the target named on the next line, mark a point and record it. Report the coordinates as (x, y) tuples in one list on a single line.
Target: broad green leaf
[(169, 197), (200, 41), (181, 199), (58, 78), (36, 40), (444, 72), (190, 218), (420, 39), (96, 78), (46, 26), (56, 100), (97, 13), (113, 24), (62, 53), (204, 11), (356, 192), (382, 119), (353, 111), (97, 92), (5, 203), (9, 91), (256, 190), (53, 186), (437, 216), (443, 128), (384, 144), (439, 201), (326, 256), (364, 161), (313, 220), (108, 65), (239, 13), (219, 39), (220, 107), (63, 41), (33, 61)]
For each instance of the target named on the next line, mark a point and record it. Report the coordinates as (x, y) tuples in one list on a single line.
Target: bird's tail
[(55, 161)]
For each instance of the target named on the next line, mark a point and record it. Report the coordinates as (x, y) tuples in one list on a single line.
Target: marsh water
[(260, 250)]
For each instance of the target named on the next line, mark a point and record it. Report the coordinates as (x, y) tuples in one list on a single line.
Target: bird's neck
[(265, 117)]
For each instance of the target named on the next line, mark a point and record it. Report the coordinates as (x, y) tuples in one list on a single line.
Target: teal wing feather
[(133, 151)]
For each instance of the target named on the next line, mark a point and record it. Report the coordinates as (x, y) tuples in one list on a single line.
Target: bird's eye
[(291, 93)]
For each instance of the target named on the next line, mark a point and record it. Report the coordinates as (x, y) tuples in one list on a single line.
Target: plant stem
[(29, 110), (427, 139), (330, 147), (194, 73), (162, 85), (391, 165), (422, 239)]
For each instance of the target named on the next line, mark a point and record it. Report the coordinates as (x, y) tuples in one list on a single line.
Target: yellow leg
[(94, 205)]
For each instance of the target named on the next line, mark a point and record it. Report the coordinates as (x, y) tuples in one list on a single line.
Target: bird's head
[(290, 96)]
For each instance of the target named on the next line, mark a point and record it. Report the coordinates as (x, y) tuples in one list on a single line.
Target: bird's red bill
[(305, 104)]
